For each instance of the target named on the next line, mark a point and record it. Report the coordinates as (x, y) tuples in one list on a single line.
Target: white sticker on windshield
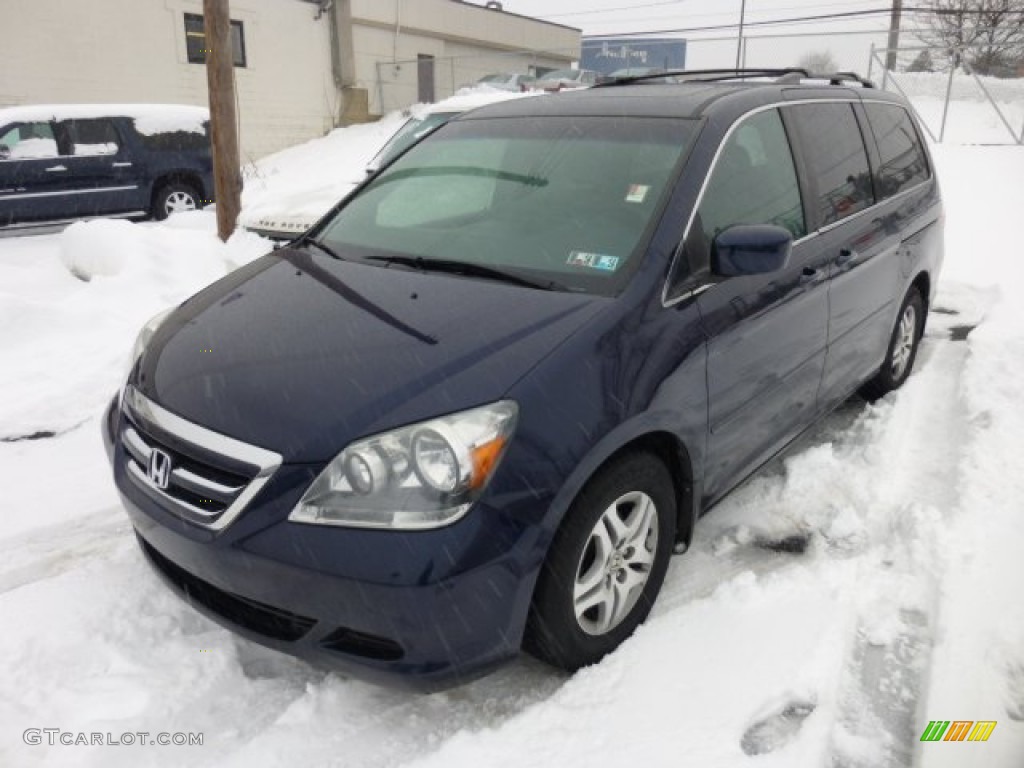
[(637, 193), (599, 261)]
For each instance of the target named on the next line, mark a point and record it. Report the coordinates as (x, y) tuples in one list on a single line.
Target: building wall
[(467, 41), (71, 51), (115, 51)]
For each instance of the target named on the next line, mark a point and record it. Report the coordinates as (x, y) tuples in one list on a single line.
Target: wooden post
[(894, 35), (220, 78)]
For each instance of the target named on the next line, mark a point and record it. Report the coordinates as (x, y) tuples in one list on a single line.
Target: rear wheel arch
[(188, 178)]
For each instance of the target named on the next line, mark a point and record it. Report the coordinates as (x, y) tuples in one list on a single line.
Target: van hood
[(301, 353)]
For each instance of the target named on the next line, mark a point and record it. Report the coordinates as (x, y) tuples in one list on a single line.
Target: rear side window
[(93, 137), (902, 157), (753, 182), (837, 159)]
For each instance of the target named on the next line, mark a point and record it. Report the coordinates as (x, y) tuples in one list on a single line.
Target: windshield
[(566, 199), (414, 129)]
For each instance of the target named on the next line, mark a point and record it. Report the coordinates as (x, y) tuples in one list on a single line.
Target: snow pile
[(70, 308)]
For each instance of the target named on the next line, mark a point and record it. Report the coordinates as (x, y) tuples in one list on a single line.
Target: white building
[(302, 66)]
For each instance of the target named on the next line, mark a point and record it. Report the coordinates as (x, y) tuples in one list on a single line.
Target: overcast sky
[(841, 37)]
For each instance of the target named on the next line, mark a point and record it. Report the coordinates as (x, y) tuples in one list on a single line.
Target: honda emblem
[(159, 470)]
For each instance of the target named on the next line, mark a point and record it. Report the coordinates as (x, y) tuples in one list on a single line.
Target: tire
[(903, 346), (620, 529), (174, 198)]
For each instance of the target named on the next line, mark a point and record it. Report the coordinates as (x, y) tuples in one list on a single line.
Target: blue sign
[(608, 54)]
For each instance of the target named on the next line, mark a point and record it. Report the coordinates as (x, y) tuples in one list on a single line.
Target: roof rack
[(785, 75)]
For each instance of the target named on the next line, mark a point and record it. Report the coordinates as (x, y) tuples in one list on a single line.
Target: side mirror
[(751, 249), (5, 152)]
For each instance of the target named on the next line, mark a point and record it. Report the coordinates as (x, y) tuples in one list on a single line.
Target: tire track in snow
[(886, 679), (43, 553)]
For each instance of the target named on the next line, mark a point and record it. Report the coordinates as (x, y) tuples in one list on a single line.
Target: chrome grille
[(211, 478)]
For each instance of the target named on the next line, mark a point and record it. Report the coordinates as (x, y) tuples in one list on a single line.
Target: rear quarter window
[(837, 159), (176, 141), (902, 160)]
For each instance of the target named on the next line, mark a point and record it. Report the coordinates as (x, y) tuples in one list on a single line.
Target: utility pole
[(894, 35), (220, 79), (739, 37)]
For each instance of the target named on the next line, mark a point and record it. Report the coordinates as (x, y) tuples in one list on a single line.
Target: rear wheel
[(606, 564), (174, 198), (903, 345)]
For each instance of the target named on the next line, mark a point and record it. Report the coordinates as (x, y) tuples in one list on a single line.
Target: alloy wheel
[(616, 563)]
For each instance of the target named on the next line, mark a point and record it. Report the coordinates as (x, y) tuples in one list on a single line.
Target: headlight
[(422, 476), (145, 334)]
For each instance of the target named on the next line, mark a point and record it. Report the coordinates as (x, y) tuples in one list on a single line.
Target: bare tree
[(991, 31), (818, 62)]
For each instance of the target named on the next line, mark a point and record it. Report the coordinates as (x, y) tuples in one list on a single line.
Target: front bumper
[(422, 609)]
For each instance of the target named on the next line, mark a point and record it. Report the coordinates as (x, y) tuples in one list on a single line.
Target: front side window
[(195, 40), (558, 198), (93, 137), (753, 182), (28, 141), (837, 159), (902, 159)]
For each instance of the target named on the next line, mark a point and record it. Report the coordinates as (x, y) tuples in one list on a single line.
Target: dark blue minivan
[(64, 162), (477, 407)]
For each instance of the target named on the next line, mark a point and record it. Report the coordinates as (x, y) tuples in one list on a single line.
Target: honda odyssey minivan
[(477, 407)]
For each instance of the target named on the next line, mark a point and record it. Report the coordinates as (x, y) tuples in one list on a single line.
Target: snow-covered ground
[(864, 585)]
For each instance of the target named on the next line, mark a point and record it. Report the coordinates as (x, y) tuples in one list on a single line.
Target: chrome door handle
[(56, 168), (120, 165)]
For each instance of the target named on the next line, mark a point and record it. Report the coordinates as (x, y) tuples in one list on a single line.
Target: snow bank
[(68, 335)]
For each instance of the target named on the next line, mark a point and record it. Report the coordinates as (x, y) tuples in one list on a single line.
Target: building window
[(195, 40)]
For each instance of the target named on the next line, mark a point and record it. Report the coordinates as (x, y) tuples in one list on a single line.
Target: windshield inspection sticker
[(594, 261), (637, 193)]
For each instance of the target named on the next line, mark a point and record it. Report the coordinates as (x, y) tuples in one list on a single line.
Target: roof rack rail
[(783, 75)]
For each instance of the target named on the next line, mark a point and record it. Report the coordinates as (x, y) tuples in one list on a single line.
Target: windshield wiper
[(470, 270), (307, 240)]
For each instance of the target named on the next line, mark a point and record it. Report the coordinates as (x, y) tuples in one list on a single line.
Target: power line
[(792, 20)]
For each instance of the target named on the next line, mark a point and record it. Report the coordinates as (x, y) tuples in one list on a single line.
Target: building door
[(425, 78)]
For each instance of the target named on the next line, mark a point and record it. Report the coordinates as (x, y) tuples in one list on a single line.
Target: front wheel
[(174, 198), (903, 345), (606, 564)]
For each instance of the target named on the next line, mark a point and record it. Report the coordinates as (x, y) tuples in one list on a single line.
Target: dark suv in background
[(477, 407), (66, 162)]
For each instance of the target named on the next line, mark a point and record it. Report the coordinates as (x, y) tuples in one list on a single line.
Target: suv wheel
[(174, 198), (606, 564), (903, 345)]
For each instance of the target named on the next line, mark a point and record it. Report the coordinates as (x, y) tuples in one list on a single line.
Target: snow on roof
[(149, 118)]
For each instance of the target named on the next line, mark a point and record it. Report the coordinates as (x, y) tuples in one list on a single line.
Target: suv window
[(92, 137), (175, 141), (837, 159), (753, 182), (902, 158), (28, 141)]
